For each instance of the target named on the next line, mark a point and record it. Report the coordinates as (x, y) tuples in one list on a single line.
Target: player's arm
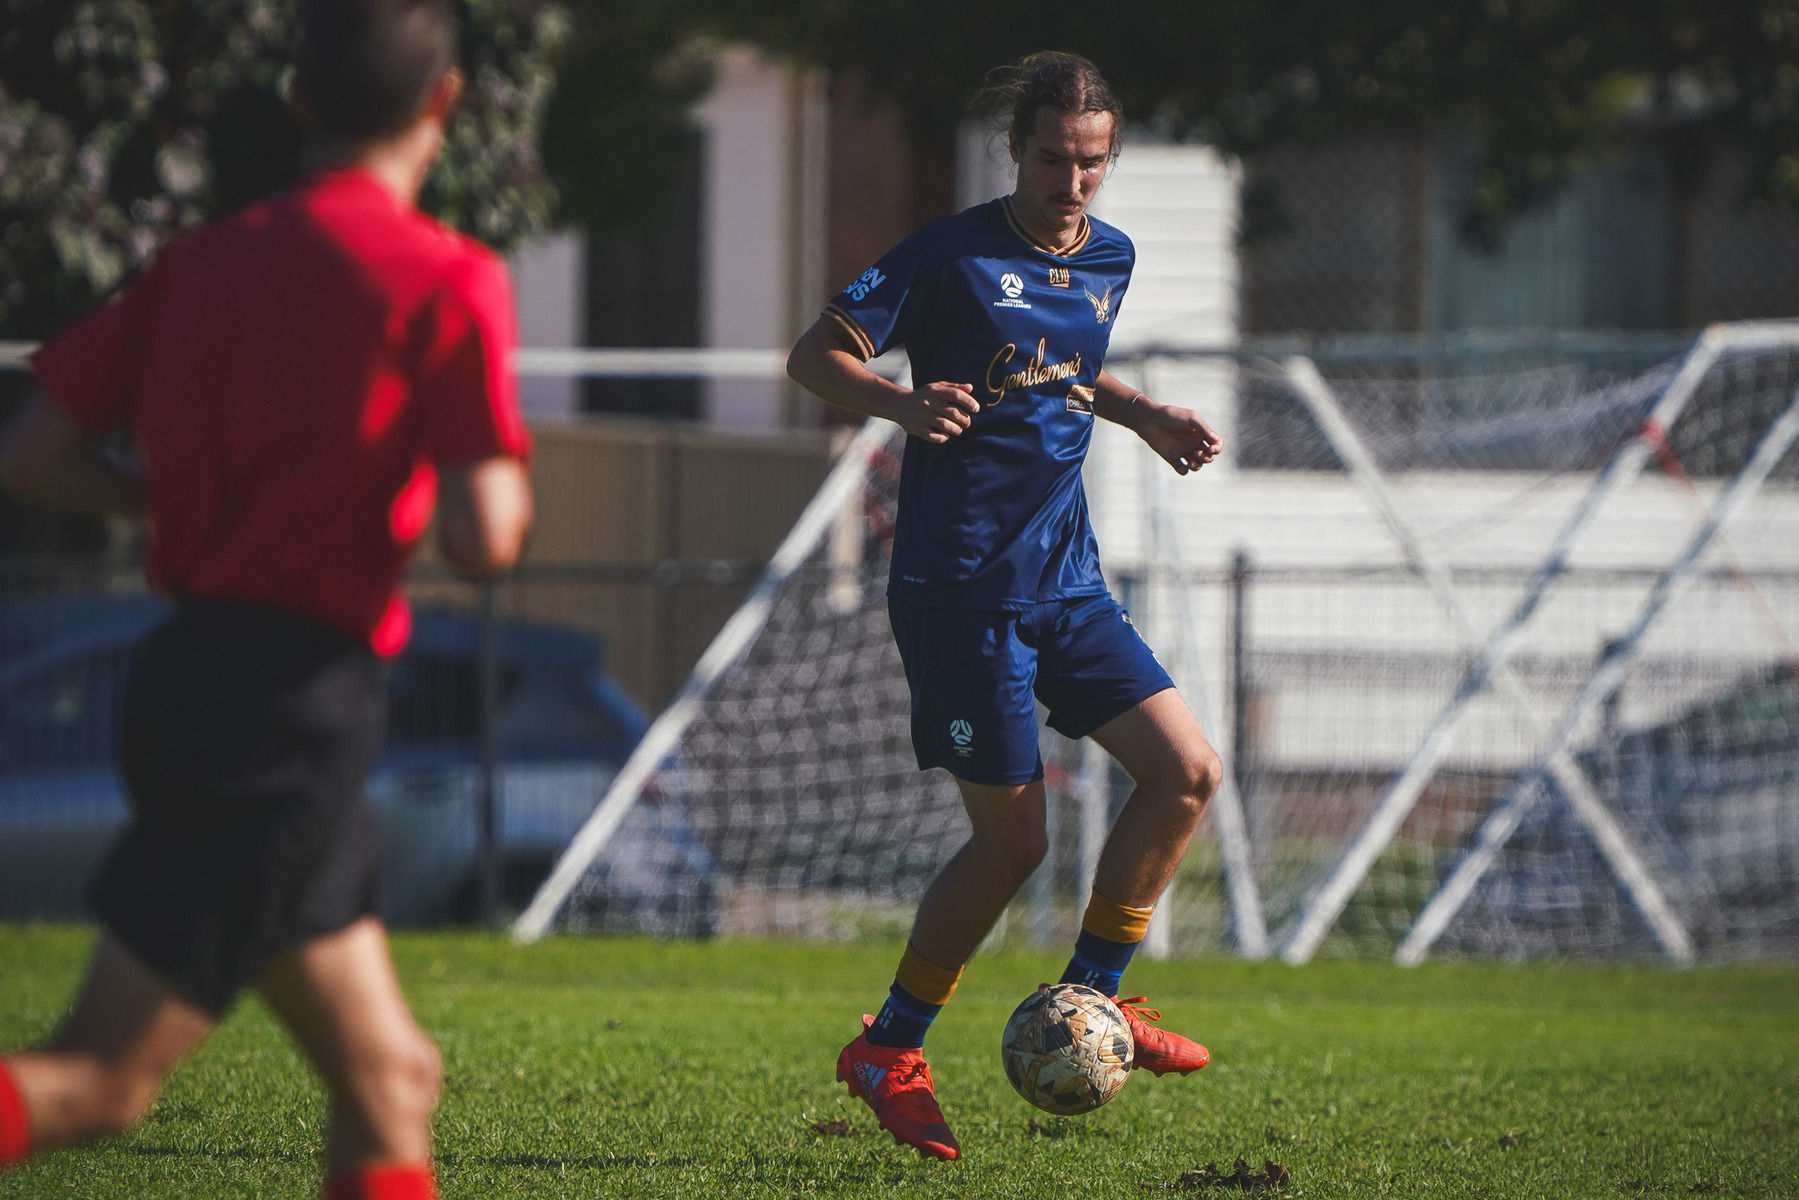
[(47, 455), (825, 362), (1179, 435), (484, 512)]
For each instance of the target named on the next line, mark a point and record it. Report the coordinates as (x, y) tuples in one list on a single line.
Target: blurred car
[(562, 731)]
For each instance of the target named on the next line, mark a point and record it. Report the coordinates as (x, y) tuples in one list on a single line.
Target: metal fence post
[(487, 793), (1242, 736)]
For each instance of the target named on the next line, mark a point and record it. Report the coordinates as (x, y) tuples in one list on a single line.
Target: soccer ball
[(1067, 1049)]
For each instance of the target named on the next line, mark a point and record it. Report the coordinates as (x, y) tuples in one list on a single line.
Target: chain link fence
[(1366, 235)]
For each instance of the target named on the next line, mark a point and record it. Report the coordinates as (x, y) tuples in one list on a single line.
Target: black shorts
[(244, 743)]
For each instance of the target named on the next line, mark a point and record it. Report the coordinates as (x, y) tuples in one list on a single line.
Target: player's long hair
[(1048, 79)]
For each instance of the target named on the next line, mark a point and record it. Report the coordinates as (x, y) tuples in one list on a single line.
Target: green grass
[(632, 1068)]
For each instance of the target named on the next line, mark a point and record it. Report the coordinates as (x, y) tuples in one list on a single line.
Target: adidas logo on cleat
[(869, 1075)]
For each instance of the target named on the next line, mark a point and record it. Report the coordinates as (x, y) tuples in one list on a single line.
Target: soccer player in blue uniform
[(995, 593)]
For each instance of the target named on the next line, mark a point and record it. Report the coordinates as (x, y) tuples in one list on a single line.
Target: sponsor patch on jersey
[(871, 279), (1058, 277), (1080, 399), (1038, 371)]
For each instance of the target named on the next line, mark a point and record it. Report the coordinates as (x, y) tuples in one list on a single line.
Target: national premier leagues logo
[(1013, 287), (962, 734)]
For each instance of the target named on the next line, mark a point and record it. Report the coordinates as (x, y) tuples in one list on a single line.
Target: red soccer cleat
[(1158, 1051), (897, 1085)]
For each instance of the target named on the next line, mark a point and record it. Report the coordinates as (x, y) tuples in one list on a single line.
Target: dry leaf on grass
[(1241, 1177)]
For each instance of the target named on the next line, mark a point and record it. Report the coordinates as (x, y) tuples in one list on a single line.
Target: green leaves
[(123, 122)]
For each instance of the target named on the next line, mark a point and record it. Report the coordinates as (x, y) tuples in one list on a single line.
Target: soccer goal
[(1507, 668), (1513, 673)]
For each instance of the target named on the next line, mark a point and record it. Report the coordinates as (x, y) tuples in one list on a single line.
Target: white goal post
[(727, 649), (1490, 665)]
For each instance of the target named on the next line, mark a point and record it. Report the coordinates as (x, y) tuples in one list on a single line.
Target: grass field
[(633, 1068)]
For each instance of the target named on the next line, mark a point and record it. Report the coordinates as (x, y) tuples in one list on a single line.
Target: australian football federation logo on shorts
[(962, 734)]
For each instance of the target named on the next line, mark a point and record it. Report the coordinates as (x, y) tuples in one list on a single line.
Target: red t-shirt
[(292, 374)]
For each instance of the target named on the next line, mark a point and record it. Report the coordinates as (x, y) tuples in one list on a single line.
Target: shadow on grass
[(240, 1154), (549, 1162)]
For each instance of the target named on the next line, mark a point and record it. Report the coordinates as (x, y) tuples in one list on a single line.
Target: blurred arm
[(484, 512), (45, 455)]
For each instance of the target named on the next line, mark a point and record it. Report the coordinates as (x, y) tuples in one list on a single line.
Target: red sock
[(381, 1183), (15, 1134)]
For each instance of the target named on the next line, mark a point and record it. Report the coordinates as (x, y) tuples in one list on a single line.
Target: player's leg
[(1100, 679), (1007, 839), (972, 714), (885, 1066), (100, 1071), (340, 998), (1175, 770)]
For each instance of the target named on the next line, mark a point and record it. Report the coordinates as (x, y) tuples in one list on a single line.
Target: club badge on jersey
[(996, 517)]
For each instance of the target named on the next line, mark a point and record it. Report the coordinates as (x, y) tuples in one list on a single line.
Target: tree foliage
[(1544, 85), (123, 122)]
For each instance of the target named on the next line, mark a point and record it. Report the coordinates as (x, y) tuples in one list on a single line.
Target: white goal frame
[(1490, 666)]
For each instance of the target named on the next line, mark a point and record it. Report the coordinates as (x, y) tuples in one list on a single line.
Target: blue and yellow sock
[(1110, 934), (919, 992)]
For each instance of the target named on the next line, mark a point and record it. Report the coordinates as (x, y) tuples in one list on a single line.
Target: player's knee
[(423, 1072), (416, 1074), (1028, 851), (1205, 771), (430, 1067), (401, 1082), (1016, 849), (1194, 779)]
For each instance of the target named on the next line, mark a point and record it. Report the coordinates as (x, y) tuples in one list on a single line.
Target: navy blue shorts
[(975, 676)]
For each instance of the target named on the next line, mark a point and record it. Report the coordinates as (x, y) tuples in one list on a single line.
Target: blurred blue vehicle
[(562, 727)]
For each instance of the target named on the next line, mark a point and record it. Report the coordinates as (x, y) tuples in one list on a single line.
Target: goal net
[(1409, 666), (1404, 675)]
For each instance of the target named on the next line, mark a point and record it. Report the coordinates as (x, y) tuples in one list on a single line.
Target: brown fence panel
[(621, 506)]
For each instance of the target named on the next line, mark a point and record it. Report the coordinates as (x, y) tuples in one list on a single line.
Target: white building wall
[(762, 223), (549, 292), (984, 168)]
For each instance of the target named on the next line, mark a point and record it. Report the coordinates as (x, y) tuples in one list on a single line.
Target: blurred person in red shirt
[(302, 382)]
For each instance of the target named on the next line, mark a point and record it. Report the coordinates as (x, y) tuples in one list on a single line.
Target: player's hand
[(938, 412), (1183, 440)]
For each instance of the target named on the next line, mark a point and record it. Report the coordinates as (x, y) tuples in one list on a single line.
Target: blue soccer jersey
[(996, 517)]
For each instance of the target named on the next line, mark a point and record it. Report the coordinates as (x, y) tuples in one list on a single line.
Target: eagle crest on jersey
[(1102, 305)]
